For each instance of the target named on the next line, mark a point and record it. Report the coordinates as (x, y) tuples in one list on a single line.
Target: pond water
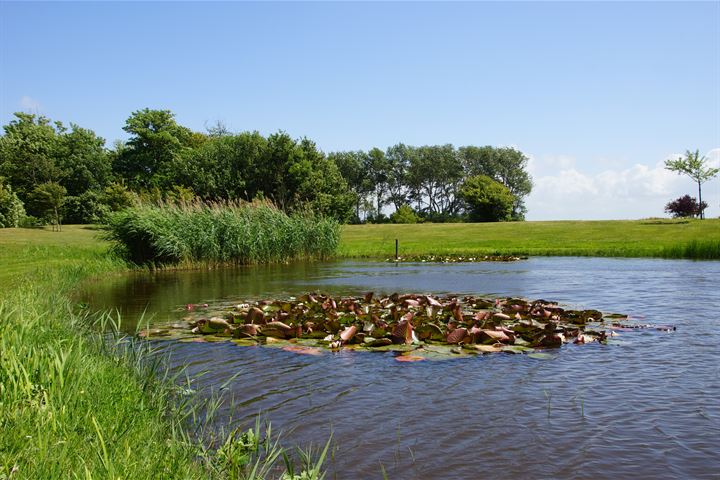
[(647, 405)]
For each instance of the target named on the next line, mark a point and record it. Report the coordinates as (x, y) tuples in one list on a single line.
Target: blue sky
[(597, 94)]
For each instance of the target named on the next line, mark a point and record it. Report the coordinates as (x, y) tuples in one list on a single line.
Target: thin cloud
[(29, 104)]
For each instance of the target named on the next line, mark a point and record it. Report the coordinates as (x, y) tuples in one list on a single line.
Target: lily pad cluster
[(418, 326), (456, 258)]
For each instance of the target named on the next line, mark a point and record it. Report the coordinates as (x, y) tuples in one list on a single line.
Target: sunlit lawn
[(602, 238)]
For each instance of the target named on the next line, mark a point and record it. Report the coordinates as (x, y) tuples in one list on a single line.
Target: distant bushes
[(240, 233), (404, 214), (12, 210)]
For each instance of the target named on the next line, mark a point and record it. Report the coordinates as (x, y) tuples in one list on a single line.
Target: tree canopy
[(487, 200), (162, 160)]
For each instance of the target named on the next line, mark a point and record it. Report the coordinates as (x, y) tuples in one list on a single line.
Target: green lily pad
[(541, 356)]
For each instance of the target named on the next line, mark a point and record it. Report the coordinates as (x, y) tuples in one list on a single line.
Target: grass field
[(24, 251), (632, 238)]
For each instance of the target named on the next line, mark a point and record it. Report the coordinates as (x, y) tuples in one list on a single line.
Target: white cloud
[(714, 157), (565, 192), (29, 104)]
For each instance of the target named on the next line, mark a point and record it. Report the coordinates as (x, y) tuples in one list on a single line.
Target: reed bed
[(220, 233)]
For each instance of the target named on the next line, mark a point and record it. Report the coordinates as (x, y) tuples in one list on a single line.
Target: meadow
[(664, 238)]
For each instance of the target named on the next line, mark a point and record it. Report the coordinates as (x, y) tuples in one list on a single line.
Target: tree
[(226, 167), (82, 161), (116, 197), (155, 142), (11, 208), (353, 168), (685, 206), (694, 167), (48, 198), (506, 165), (27, 152), (487, 200), (87, 207), (404, 214), (398, 159), (433, 176), (377, 168), (318, 185)]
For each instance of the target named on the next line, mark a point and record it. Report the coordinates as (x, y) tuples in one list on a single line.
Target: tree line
[(51, 171)]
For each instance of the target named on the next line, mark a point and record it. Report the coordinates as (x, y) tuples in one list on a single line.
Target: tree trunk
[(702, 211)]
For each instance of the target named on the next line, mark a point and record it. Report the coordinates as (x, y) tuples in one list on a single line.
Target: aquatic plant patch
[(417, 327), (456, 258)]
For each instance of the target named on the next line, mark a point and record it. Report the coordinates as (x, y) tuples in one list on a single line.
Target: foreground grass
[(76, 403), (70, 404), (699, 239)]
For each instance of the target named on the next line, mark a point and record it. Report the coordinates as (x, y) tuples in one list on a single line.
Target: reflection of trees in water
[(161, 294)]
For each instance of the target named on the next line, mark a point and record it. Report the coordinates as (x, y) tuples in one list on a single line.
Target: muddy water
[(646, 406)]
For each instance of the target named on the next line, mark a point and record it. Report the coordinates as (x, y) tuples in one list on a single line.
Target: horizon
[(598, 96)]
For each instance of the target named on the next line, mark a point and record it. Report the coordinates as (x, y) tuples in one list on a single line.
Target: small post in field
[(396, 249)]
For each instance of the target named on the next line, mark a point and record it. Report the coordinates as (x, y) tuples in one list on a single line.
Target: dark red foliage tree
[(685, 206)]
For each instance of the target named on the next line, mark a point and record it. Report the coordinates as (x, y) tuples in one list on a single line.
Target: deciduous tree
[(48, 199), (694, 167), (487, 200)]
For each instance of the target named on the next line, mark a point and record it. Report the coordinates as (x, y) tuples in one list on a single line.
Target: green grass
[(70, 404), (220, 233), (76, 402), (697, 239), (25, 251)]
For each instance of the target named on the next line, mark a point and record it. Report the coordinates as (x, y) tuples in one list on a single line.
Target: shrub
[(239, 233), (12, 210), (486, 199), (685, 206), (404, 214), (85, 208), (117, 197)]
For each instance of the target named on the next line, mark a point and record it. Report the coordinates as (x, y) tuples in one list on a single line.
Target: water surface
[(646, 406)]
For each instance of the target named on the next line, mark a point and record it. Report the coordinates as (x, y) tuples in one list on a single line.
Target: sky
[(597, 94)]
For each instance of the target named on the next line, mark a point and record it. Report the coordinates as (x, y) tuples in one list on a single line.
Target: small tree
[(48, 198), (486, 199), (404, 214), (117, 197), (694, 167), (11, 208), (685, 206)]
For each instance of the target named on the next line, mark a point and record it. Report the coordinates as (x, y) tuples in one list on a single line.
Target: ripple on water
[(645, 407)]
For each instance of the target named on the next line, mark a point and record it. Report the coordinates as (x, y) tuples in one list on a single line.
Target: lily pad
[(432, 327)]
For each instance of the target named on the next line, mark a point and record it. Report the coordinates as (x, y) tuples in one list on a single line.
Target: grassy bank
[(221, 233), (699, 239), (69, 404), (74, 404)]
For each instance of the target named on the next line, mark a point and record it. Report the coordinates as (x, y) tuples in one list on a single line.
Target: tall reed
[(220, 233)]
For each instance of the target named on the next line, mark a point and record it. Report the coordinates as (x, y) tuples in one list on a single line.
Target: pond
[(645, 405)]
